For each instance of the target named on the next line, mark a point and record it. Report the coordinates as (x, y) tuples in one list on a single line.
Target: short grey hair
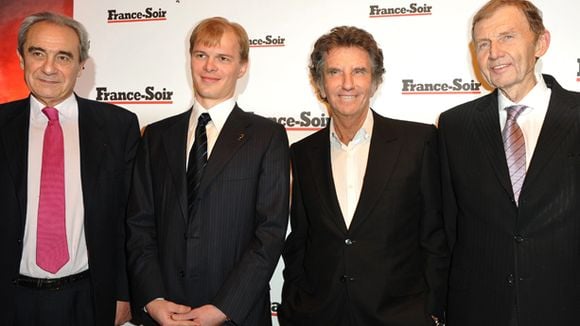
[(58, 20)]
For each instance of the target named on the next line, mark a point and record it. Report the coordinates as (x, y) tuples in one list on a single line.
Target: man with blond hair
[(209, 205)]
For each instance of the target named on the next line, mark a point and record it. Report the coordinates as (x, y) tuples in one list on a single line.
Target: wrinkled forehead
[(500, 20), (53, 33)]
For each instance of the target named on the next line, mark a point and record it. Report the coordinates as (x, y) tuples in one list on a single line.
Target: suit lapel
[(234, 134), (319, 157), (559, 120), (14, 138), (93, 144), (175, 146), (487, 131), (383, 154)]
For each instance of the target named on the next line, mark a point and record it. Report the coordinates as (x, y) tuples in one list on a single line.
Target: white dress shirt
[(349, 163), (531, 120), (219, 114), (75, 231)]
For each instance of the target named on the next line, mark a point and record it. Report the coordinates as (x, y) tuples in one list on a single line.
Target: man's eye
[(482, 45), (508, 37), (63, 59)]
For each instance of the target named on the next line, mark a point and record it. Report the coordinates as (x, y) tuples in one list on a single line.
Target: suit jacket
[(226, 253), (389, 267), (507, 259), (108, 142)]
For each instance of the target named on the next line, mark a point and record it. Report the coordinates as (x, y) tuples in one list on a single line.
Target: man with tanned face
[(367, 245)]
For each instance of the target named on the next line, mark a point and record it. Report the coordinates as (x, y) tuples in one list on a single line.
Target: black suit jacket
[(505, 255), (389, 267), (108, 142), (226, 253)]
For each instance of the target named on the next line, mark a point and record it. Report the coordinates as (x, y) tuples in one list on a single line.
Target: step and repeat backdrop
[(139, 56)]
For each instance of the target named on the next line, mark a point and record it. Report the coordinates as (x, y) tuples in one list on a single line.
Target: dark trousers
[(70, 306)]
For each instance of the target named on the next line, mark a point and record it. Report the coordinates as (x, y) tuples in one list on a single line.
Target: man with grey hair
[(65, 167), (367, 245)]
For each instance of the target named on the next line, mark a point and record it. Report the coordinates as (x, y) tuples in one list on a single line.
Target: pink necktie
[(515, 149), (51, 244)]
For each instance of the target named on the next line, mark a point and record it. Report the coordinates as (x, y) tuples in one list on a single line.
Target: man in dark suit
[(202, 251), (511, 180), (63, 239), (367, 245)]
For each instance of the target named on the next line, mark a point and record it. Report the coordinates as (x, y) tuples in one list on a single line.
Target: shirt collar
[(538, 95), (219, 113), (364, 133), (67, 109)]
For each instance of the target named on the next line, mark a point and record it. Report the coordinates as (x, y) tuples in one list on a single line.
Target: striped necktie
[(515, 149), (197, 161)]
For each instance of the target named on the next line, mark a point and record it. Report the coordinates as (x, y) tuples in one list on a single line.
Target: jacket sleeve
[(433, 237), (143, 263)]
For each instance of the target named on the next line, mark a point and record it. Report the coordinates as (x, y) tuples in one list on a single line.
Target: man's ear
[(20, 59), (82, 64), (542, 44), (243, 69)]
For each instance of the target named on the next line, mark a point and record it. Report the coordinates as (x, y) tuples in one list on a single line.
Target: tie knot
[(51, 113), (203, 119), (514, 111)]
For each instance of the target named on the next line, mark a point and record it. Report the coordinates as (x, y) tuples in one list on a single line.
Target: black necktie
[(197, 160)]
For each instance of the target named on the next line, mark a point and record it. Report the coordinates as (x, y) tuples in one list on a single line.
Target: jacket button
[(510, 280), (346, 278), (518, 238), (348, 242)]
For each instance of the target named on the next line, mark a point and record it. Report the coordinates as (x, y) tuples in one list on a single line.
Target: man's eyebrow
[(68, 54), (36, 48)]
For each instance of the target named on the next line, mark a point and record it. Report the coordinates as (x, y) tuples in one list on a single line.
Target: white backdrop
[(139, 55)]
